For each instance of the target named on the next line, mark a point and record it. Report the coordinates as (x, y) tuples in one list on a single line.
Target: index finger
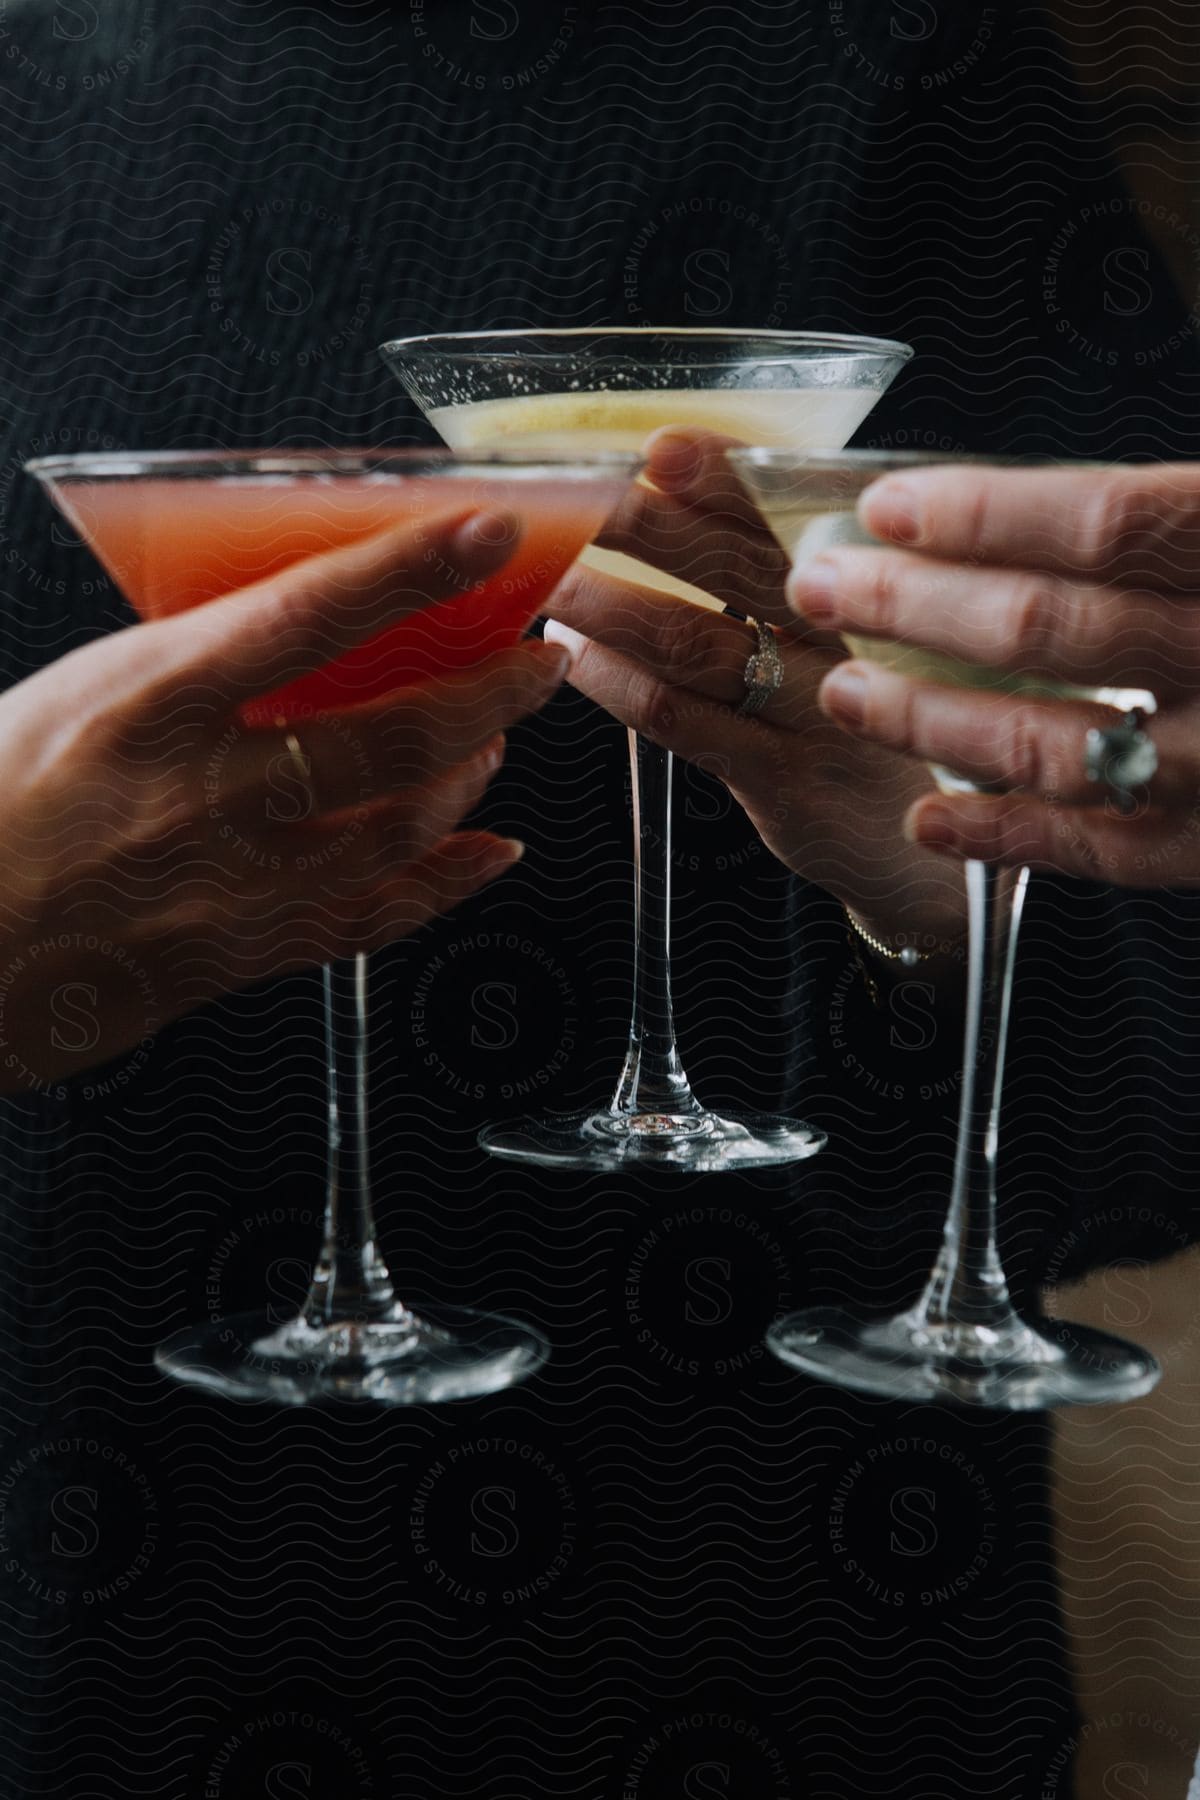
[(693, 468), (266, 635), (689, 516), (1134, 524)]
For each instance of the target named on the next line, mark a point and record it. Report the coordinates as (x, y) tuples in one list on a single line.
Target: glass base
[(399, 1360), (1015, 1369), (701, 1141)]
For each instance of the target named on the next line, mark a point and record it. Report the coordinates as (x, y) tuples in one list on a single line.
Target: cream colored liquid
[(622, 419)]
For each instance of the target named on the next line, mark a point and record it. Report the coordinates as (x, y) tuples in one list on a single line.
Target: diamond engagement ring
[(763, 672), (1124, 757)]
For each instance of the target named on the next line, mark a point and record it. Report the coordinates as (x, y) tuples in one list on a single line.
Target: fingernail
[(493, 756), (555, 660), (843, 695), (931, 826), (501, 856), (672, 460), (891, 509), (486, 533), (573, 642), (812, 590)]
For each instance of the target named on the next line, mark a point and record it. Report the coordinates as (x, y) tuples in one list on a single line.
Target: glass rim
[(846, 461), (131, 465), (457, 343)]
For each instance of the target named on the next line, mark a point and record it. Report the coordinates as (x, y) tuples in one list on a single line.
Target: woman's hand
[(1087, 577), (828, 807), (156, 853)]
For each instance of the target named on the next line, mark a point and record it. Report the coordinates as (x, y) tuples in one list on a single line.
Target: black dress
[(666, 1566)]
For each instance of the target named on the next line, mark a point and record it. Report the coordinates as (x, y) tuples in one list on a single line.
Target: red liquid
[(172, 544)]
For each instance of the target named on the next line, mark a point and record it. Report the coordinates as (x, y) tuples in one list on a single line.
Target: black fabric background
[(210, 213)]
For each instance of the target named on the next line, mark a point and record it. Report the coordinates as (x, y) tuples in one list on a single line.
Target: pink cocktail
[(176, 531), (181, 535)]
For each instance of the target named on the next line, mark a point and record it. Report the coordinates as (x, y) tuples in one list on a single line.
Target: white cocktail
[(559, 392)]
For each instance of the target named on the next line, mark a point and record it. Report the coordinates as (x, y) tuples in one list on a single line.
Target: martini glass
[(610, 386), (964, 1339), (177, 530)]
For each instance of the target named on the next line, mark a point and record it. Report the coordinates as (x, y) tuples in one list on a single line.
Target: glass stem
[(653, 1079), (351, 1280), (967, 1286)]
